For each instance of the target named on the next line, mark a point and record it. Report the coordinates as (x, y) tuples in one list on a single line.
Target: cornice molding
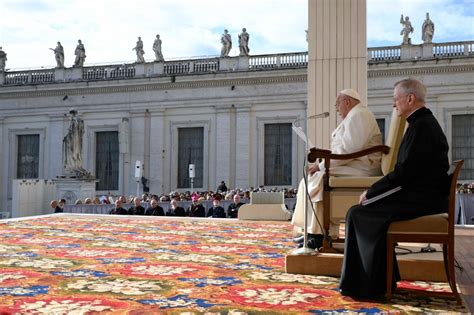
[(375, 73), (155, 86), (188, 83)]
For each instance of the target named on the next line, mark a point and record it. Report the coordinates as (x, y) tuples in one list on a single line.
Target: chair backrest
[(394, 138), (453, 172), (267, 198)]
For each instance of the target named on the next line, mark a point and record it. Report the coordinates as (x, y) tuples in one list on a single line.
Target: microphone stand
[(305, 250)]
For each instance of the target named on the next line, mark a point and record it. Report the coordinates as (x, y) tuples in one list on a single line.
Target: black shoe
[(316, 241)]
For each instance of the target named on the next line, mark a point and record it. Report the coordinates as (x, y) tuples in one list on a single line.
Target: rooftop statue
[(427, 29), (3, 59), (157, 49), (226, 41), (59, 55), (80, 53), (72, 147), (406, 30), (139, 50), (244, 42)]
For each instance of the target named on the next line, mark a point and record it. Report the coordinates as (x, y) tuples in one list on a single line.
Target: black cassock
[(421, 171)]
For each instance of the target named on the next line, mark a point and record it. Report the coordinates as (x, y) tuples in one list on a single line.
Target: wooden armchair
[(340, 193), (437, 228)]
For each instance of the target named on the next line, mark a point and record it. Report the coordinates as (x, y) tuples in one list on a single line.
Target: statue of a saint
[(157, 49), (139, 50), (3, 59), (72, 147), (427, 29), (406, 30), (80, 53), (59, 55), (226, 41), (244, 42)]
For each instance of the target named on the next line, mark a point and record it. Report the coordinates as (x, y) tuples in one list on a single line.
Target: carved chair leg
[(448, 253)]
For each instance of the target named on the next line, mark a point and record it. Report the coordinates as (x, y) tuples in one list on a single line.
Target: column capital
[(225, 108), (243, 108)]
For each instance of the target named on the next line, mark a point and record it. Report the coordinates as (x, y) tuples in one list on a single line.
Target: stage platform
[(414, 266)]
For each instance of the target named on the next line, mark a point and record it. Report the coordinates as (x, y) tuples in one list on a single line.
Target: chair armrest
[(315, 154)]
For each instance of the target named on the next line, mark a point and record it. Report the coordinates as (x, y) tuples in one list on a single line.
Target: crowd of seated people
[(196, 208)]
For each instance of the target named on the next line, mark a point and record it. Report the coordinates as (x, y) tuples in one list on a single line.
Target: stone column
[(223, 145), (3, 167), (137, 147), (124, 149), (157, 148), (337, 60), (55, 146), (243, 178)]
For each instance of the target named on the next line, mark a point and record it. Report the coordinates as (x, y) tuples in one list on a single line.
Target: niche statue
[(72, 148)]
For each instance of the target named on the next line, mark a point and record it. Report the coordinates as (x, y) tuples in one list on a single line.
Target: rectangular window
[(107, 160), (190, 151), (462, 144), (381, 123), (28, 156), (278, 148)]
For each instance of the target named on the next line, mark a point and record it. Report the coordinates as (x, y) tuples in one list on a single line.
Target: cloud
[(189, 28), (453, 20)]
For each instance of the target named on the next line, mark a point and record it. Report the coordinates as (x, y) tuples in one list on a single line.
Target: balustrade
[(207, 65), (384, 53), (29, 77), (453, 49), (278, 61)]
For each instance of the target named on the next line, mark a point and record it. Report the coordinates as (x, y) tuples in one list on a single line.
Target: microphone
[(321, 115)]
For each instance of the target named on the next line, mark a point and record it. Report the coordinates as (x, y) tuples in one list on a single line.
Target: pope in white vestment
[(357, 131)]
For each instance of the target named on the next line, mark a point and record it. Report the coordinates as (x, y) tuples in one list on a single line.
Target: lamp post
[(191, 175)]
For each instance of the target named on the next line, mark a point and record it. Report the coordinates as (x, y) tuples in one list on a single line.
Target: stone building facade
[(231, 117)]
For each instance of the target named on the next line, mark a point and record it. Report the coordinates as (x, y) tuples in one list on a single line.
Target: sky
[(192, 28)]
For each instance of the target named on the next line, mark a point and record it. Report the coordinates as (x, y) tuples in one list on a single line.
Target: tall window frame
[(107, 160), (190, 151), (278, 144), (462, 143), (27, 156), (172, 172)]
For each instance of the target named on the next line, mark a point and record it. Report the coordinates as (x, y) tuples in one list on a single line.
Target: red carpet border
[(70, 264)]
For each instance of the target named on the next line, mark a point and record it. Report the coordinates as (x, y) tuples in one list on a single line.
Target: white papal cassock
[(358, 131)]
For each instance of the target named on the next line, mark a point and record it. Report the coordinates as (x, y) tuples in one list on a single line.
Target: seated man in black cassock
[(233, 209), (196, 209), (175, 210), (137, 209), (56, 207), (154, 209), (216, 211), (421, 175), (118, 208)]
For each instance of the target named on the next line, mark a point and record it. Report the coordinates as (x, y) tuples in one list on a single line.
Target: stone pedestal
[(158, 68), (31, 197), (59, 74), (73, 74), (228, 63), (72, 189), (139, 69), (427, 50), (2, 77)]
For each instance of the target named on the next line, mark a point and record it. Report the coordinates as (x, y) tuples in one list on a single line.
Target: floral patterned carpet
[(65, 264)]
